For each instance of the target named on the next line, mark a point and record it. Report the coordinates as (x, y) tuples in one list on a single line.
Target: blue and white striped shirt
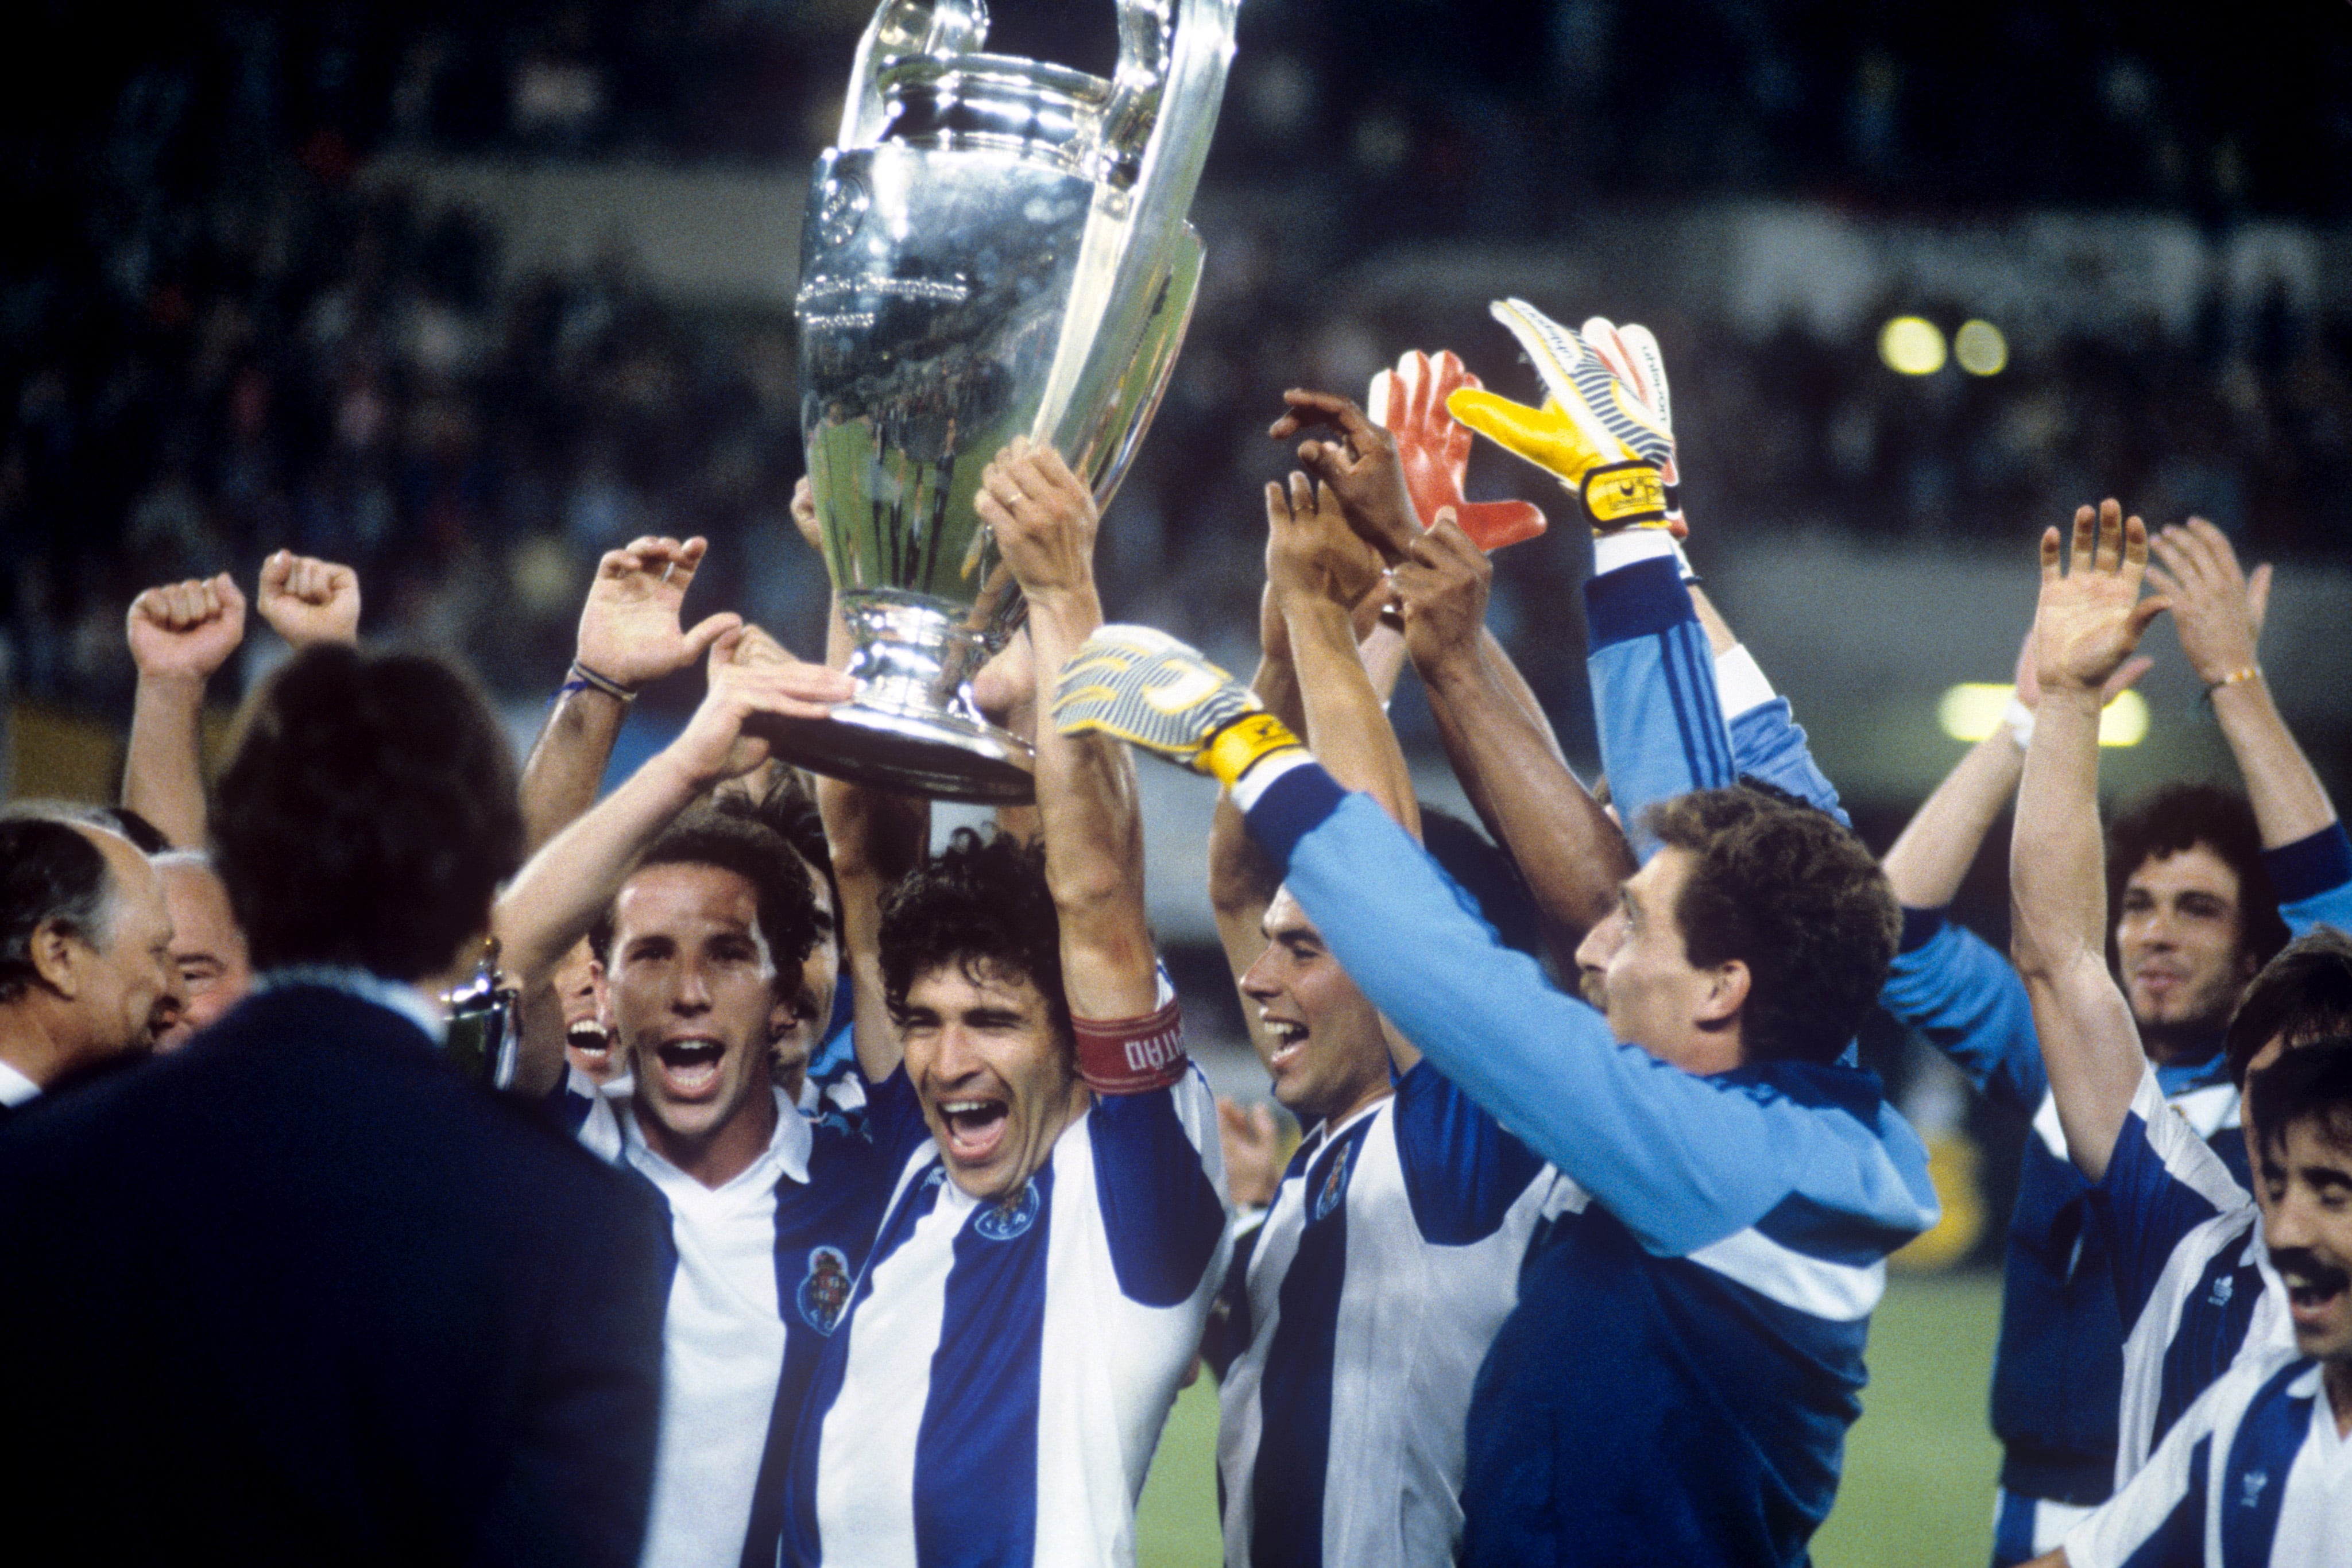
[(2255, 1475), (762, 1267), (999, 1387), (1389, 1259), (2193, 1281)]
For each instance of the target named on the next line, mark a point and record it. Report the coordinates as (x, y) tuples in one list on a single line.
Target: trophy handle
[(1171, 77), (900, 28)]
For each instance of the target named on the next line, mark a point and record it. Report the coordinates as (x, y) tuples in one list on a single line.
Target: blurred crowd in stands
[(216, 338)]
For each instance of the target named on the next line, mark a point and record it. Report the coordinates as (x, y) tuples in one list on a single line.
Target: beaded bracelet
[(2236, 678)]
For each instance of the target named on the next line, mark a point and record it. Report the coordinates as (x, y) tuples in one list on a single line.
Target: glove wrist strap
[(1623, 494), (1243, 744)]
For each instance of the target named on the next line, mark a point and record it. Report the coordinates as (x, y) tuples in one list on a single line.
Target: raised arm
[(2089, 622), (630, 635), (1683, 1160), (1241, 880), (1318, 570), (1045, 521), (179, 635), (1572, 855), (307, 601), (2218, 610), (557, 895)]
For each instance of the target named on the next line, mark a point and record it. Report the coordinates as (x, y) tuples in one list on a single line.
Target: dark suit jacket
[(301, 1293)]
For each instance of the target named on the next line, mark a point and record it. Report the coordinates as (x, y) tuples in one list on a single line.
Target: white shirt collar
[(16, 1088), (787, 1153), (405, 1000)]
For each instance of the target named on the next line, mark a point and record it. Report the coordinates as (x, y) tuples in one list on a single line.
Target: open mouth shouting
[(588, 1039), (2314, 1289), (1287, 1038), (974, 1126), (689, 1066)]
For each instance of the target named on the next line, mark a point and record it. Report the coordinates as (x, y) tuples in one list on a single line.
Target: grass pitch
[(1919, 1465)]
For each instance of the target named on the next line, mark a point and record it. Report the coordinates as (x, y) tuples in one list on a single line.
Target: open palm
[(2091, 614)]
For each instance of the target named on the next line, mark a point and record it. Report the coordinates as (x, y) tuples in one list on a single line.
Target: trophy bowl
[(997, 248)]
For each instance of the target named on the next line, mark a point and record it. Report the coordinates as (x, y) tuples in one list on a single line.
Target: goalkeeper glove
[(1600, 439), (1151, 691)]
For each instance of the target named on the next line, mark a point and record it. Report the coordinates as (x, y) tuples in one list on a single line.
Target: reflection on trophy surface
[(995, 247)]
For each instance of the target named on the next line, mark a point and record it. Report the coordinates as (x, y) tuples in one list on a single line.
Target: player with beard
[(1056, 1222), (2191, 1277), (706, 920), (2258, 1472), (1390, 1252)]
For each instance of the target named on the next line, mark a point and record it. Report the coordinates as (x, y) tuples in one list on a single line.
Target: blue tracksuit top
[(1676, 1382), (2058, 1372)]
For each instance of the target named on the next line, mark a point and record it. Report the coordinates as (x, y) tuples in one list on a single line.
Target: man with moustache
[(2258, 1472), (86, 973)]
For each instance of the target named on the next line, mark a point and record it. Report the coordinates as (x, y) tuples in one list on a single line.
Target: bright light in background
[(1981, 348), (1911, 346), (1973, 709)]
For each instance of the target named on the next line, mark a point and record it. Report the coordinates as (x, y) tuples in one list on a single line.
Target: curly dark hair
[(368, 815), (2312, 1082), (2303, 993), (979, 904), (51, 873), (1781, 887), (723, 836), (2184, 815)]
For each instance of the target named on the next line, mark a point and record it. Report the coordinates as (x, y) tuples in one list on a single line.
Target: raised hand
[(1362, 466), (1598, 438), (1433, 448), (2217, 609), (1310, 551), (2091, 616), (630, 631), (1043, 518), (1442, 591), (2028, 678), (1632, 354), (307, 601), (1141, 685), (186, 630), (745, 683)]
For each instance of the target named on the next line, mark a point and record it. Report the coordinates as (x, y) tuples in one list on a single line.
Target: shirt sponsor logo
[(2249, 1488), (2223, 1287), (824, 1295)]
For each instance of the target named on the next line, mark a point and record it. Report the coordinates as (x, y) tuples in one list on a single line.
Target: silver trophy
[(995, 247)]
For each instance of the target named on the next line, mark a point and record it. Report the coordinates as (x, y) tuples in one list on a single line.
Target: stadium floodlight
[(1974, 709), (1981, 348), (1911, 346)]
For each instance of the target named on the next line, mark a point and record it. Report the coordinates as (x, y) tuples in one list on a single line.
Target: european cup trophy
[(995, 247)]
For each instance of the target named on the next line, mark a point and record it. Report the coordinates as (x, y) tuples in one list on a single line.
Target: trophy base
[(936, 755)]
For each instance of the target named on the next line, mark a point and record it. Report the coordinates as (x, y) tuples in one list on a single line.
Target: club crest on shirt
[(1003, 1221), (1335, 1182), (824, 1295)]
